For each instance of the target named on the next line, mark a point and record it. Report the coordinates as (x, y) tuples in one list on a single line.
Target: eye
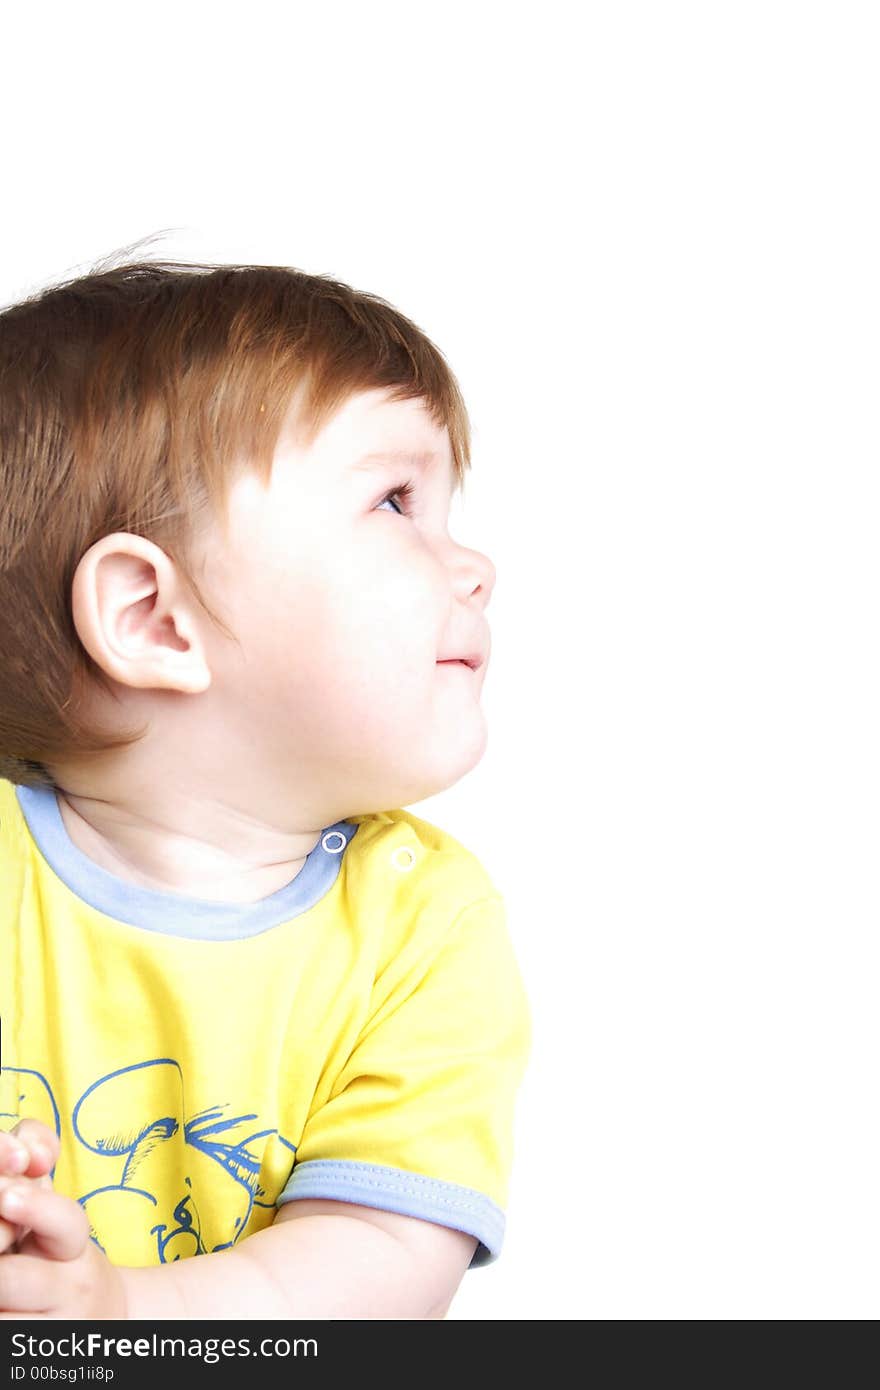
[(405, 492)]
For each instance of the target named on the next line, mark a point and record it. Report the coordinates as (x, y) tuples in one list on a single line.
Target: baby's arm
[(320, 1259)]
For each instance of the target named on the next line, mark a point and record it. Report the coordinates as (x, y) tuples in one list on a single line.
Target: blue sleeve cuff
[(408, 1194)]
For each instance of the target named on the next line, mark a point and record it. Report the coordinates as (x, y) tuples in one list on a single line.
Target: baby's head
[(211, 584)]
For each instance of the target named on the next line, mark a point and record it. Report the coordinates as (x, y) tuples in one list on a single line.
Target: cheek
[(360, 626), (386, 604), (373, 662)]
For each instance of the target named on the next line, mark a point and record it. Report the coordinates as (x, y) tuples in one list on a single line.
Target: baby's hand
[(30, 1150), (56, 1270)]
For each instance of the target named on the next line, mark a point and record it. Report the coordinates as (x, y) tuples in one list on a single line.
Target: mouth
[(472, 664)]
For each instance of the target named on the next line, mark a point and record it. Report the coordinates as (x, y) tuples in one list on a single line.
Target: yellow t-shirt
[(358, 1035)]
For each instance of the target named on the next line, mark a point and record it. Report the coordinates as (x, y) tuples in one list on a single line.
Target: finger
[(8, 1235), (58, 1224), (40, 1142), (14, 1155), (27, 1284)]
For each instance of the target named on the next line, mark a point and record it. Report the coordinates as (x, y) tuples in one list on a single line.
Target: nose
[(474, 575)]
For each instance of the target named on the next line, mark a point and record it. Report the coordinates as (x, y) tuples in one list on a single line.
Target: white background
[(646, 237)]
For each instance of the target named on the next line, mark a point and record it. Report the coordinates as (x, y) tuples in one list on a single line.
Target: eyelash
[(405, 492)]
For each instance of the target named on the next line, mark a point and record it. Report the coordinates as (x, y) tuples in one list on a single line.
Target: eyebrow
[(385, 457), (391, 458)]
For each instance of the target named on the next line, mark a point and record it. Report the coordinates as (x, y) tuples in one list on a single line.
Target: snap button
[(333, 849), (410, 862)]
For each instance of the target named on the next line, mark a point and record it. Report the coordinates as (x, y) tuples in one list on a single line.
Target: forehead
[(370, 433), (369, 423)]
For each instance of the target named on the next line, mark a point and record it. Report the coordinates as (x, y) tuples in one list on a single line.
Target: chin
[(458, 767)]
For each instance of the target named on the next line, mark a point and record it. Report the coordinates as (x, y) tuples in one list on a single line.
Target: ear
[(136, 618)]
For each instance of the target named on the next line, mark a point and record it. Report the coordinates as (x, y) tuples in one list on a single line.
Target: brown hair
[(130, 399)]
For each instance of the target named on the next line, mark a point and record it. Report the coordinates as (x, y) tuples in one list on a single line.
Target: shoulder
[(12, 821), (7, 797), (416, 847), (413, 880)]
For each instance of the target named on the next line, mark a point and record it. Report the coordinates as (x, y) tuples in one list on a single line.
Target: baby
[(248, 1012)]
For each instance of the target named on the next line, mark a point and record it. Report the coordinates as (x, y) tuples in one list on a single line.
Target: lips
[(473, 662), (473, 651)]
